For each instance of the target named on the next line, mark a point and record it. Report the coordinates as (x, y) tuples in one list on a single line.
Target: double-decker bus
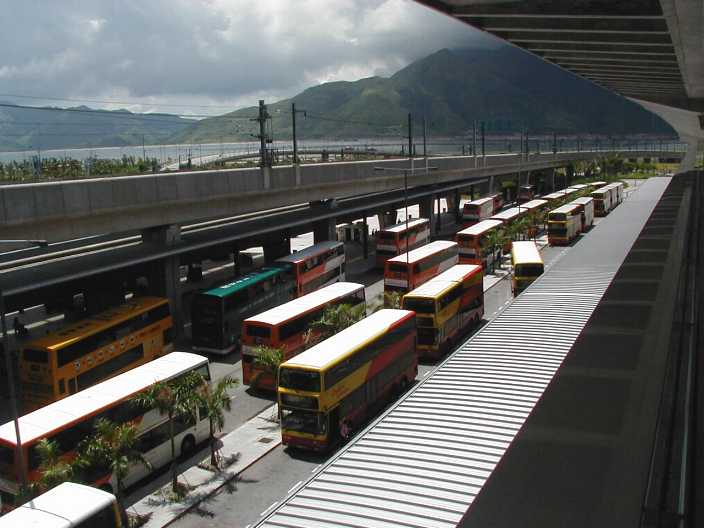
[(616, 192), (446, 307), (68, 505), (94, 349), (332, 388), (498, 202), (526, 193), (409, 270), (217, 314), (527, 265), (70, 420), (508, 217), (602, 201), (555, 199), (400, 238), (564, 224), (316, 266), (533, 207), (472, 246), (586, 210), (286, 326), (478, 210)]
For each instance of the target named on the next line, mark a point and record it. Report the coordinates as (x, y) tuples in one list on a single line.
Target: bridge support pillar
[(425, 207), (365, 236), (386, 218), (276, 248), (453, 204), (324, 229), (165, 278)]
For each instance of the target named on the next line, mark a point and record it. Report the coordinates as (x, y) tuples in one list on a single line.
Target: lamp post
[(19, 453)]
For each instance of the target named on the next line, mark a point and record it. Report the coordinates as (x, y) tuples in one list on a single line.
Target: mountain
[(504, 86), (24, 128)]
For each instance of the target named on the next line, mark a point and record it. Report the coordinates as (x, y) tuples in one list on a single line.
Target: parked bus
[(332, 388), (446, 307), (478, 210), (555, 199), (70, 420), (533, 208), (409, 270), (602, 201), (586, 210), (498, 202), (597, 184), (616, 191), (217, 314), (527, 265), (68, 505), (316, 266), (526, 193), (508, 217), (400, 238), (285, 327), (564, 224), (94, 349), (472, 244)]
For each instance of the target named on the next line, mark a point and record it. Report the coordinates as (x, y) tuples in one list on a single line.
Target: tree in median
[(267, 360), (334, 319), (173, 399), (113, 447), (213, 402), (53, 470)]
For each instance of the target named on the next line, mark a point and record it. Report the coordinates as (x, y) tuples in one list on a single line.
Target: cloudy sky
[(220, 54)]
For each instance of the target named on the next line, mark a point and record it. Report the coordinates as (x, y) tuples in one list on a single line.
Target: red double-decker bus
[(400, 238), (471, 241), (316, 266), (285, 326), (409, 270), (478, 210)]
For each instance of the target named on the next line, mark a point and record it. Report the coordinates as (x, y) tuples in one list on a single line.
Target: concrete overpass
[(72, 209)]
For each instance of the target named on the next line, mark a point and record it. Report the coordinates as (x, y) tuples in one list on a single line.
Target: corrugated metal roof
[(422, 463)]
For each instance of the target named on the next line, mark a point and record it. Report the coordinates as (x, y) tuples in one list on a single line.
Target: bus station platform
[(534, 421)]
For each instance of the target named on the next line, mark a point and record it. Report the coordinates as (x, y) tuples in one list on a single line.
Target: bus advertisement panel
[(94, 349), (333, 388), (400, 238), (285, 327), (564, 224), (446, 307), (217, 314), (478, 210), (70, 420), (586, 211), (316, 266), (527, 265), (409, 270), (472, 244)]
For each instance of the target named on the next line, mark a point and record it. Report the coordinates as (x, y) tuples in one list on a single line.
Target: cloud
[(224, 52)]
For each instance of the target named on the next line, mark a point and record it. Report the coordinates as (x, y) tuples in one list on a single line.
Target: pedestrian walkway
[(245, 446)]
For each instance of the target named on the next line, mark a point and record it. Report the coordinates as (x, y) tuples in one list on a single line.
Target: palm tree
[(267, 359), (174, 399), (212, 401), (392, 299), (494, 241), (334, 319), (115, 448), (53, 470)]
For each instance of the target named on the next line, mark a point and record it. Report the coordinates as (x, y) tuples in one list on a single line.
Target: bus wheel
[(188, 445)]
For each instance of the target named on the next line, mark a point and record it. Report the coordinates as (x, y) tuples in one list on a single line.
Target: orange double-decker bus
[(285, 326), (409, 270), (471, 240), (478, 210), (315, 266), (400, 238)]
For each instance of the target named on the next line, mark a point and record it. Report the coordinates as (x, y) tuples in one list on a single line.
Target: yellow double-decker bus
[(332, 388), (527, 265), (94, 349), (446, 307)]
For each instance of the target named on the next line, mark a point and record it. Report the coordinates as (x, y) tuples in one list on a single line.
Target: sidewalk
[(247, 445)]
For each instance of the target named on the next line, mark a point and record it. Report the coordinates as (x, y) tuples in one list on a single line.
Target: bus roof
[(508, 214), (64, 506), (431, 289), (525, 252), (95, 323), (598, 183), (334, 348), (554, 196), (481, 201), (580, 186), (422, 252), (480, 227), (42, 422), (303, 304), (310, 251), (243, 282), (601, 191), (567, 208), (584, 200), (401, 226), (534, 204), (449, 277)]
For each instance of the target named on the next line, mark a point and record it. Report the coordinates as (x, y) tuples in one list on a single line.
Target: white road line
[(262, 514), (315, 468), (295, 486), (425, 374)]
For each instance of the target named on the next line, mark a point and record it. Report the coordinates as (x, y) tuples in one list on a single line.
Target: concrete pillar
[(324, 230), (165, 277), (195, 272), (365, 236), (276, 248), (438, 225), (386, 218), (453, 204), (237, 264), (425, 206)]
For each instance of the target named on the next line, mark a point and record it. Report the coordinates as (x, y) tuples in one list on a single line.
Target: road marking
[(424, 375), (295, 486), (315, 468), (262, 514)]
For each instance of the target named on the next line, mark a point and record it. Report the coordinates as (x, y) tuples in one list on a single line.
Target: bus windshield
[(303, 421), (7, 461), (397, 268), (529, 270), (385, 235), (303, 380), (419, 305)]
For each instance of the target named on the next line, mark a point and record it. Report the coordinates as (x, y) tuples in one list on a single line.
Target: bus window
[(299, 380)]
